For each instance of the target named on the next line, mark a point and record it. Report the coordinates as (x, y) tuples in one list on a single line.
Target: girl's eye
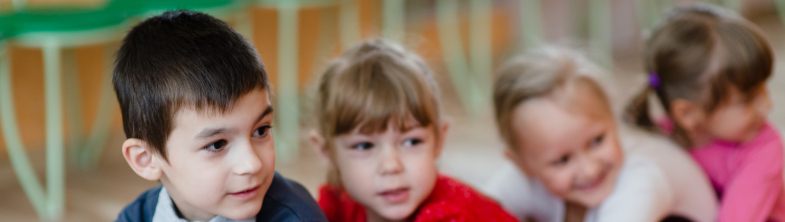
[(262, 131), (597, 141), (412, 142), (362, 146), (216, 146), (561, 161)]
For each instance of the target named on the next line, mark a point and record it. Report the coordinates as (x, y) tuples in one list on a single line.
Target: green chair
[(54, 30)]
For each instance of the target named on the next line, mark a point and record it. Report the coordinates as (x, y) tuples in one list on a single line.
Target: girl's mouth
[(397, 195), (593, 184)]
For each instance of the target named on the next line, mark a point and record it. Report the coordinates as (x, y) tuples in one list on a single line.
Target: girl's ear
[(443, 129), (686, 114), (516, 159), (139, 156), (320, 147)]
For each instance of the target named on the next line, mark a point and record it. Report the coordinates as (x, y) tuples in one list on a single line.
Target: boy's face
[(574, 152), (390, 173), (221, 163)]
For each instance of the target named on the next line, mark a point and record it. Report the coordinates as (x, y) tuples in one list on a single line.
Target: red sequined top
[(450, 200)]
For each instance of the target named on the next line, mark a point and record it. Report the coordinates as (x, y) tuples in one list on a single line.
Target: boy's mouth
[(396, 195), (246, 193)]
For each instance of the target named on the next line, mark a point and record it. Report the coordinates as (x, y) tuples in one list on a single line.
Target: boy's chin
[(246, 211)]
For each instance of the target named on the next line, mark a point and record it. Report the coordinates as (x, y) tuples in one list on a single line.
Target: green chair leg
[(393, 20), (480, 44), (468, 90), (349, 25), (73, 103), (600, 29), (49, 204), (19, 160), (55, 162), (531, 24), (92, 149), (288, 103)]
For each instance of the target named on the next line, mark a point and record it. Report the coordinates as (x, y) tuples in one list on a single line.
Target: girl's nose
[(591, 168), (390, 161)]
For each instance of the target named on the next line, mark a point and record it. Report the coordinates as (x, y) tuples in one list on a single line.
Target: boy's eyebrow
[(209, 132), (265, 113)]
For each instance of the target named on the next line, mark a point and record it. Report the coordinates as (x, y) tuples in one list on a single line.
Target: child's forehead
[(402, 124), (247, 109)]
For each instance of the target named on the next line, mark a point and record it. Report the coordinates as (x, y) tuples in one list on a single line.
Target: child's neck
[(374, 217), (698, 139), (574, 212)]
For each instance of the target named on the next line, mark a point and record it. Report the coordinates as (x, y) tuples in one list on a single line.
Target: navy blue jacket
[(286, 200)]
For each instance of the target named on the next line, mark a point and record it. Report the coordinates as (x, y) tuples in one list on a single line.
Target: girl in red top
[(380, 131)]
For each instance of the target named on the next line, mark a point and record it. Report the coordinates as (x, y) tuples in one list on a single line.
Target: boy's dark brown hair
[(181, 59), (696, 54)]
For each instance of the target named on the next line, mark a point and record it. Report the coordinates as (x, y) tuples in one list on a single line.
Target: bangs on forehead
[(378, 92), (745, 62)]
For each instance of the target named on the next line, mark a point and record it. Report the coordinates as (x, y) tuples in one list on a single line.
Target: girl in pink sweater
[(708, 68)]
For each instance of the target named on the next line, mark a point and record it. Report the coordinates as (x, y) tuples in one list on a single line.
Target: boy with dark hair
[(197, 115)]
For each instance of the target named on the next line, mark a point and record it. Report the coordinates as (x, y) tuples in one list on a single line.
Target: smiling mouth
[(247, 193), (594, 184), (397, 195)]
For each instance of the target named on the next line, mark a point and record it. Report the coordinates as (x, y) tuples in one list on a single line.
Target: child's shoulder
[(141, 209), (451, 199), (287, 200)]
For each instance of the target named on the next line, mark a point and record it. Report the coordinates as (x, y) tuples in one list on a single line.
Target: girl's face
[(740, 118), (390, 173), (573, 151)]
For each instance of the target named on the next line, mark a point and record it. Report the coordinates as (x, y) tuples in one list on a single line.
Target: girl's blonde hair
[(541, 73), (697, 53), (374, 84)]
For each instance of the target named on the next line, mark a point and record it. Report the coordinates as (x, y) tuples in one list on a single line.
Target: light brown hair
[(374, 84), (540, 73), (696, 53)]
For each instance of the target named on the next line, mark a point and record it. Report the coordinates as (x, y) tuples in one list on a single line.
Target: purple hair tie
[(654, 80)]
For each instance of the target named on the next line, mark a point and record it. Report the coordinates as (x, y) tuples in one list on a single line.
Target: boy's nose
[(390, 161), (248, 161)]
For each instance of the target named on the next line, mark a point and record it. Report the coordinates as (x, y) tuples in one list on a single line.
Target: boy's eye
[(216, 146), (561, 161), (412, 142), (362, 146), (262, 131), (597, 141)]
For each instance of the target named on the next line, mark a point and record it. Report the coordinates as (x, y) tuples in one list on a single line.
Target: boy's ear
[(516, 159), (685, 114), (139, 156), (443, 129), (320, 147)]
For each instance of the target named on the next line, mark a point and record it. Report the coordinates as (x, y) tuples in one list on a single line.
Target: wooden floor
[(472, 152)]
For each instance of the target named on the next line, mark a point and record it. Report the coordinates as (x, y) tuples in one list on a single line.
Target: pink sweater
[(748, 177)]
